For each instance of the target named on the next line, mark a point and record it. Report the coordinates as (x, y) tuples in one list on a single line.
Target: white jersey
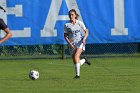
[(75, 31)]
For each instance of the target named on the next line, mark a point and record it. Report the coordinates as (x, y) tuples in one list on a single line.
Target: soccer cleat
[(87, 61), (77, 77)]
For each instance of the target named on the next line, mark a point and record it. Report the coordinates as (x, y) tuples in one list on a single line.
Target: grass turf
[(105, 75)]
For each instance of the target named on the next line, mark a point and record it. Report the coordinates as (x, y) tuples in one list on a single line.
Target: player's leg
[(85, 59), (76, 59)]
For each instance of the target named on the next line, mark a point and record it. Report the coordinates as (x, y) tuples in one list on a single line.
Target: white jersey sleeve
[(65, 28), (82, 25)]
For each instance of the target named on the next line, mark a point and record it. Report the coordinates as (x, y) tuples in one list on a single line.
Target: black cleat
[(87, 61), (77, 77)]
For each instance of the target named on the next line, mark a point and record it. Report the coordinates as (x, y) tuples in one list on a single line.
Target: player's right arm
[(67, 38), (68, 41)]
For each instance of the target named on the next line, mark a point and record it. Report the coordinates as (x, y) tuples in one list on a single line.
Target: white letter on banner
[(48, 30), (119, 19), (17, 10)]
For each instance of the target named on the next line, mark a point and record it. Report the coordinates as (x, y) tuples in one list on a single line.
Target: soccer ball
[(33, 74)]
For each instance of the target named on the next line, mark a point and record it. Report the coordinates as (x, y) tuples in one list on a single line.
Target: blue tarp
[(42, 21)]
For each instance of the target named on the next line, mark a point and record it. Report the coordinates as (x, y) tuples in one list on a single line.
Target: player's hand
[(84, 41), (72, 46)]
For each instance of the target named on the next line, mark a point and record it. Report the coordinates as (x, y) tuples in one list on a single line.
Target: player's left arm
[(85, 31), (85, 36)]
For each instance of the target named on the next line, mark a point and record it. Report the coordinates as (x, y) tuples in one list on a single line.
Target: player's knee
[(76, 55)]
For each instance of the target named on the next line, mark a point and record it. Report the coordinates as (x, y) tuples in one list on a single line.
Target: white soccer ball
[(33, 74)]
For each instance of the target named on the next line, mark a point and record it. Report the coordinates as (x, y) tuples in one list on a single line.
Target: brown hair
[(73, 10)]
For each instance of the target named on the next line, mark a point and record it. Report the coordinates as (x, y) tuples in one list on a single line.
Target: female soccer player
[(73, 35), (5, 28)]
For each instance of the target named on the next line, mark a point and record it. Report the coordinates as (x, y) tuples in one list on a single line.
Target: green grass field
[(105, 75)]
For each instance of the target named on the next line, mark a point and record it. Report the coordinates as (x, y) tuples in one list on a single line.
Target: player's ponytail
[(77, 15)]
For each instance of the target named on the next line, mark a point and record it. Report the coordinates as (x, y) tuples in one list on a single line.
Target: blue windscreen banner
[(42, 21)]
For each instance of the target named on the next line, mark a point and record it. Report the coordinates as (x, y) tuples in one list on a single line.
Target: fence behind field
[(58, 51)]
